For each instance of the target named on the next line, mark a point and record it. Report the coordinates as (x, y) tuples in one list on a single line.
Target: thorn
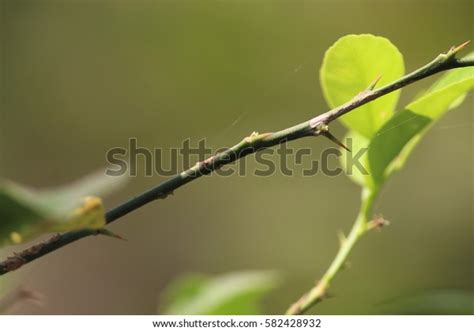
[(377, 223), (455, 49), (374, 83), (108, 233), (329, 135)]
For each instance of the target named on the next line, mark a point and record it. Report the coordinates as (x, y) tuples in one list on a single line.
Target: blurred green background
[(81, 77)]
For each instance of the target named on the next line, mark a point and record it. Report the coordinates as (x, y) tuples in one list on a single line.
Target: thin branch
[(360, 227), (313, 127)]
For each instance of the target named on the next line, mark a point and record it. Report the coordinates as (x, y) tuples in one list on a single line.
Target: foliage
[(27, 213), (439, 302), (352, 64), (389, 136), (235, 293)]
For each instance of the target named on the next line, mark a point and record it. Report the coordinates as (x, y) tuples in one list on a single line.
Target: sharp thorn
[(374, 83), (108, 233), (329, 135), (456, 49)]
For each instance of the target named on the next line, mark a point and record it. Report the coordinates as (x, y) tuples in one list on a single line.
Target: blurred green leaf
[(236, 293), (349, 67), (436, 302), (358, 144), (393, 143), (27, 213)]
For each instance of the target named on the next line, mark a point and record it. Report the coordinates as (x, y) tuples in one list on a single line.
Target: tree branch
[(313, 127)]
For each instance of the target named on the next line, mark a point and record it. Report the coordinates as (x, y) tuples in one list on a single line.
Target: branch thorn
[(455, 49), (108, 233), (377, 223), (374, 83), (330, 136)]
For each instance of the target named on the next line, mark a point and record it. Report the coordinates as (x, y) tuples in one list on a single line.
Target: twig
[(314, 127), (360, 227)]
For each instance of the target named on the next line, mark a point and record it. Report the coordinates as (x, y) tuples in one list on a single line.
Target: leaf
[(391, 146), (235, 293), (356, 163), (439, 302), (26, 213), (349, 67)]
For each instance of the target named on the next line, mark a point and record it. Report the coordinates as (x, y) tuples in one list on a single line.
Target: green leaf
[(356, 163), (236, 293), (439, 302), (349, 67), (26, 213), (393, 143)]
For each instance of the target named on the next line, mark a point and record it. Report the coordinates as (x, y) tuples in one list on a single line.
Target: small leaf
[(27, 213), (393, 143), (349, 67), (231, 294)]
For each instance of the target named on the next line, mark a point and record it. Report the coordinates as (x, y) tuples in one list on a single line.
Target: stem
[(362, 225), (359, 228), (313, 127)]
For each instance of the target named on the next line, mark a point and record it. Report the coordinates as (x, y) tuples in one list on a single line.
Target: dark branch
[(314, 127)]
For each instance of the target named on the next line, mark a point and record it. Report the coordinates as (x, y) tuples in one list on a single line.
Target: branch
[(361, 226), (255, 142)]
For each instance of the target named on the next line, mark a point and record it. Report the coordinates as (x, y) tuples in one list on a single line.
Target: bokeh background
[(80, 77)]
